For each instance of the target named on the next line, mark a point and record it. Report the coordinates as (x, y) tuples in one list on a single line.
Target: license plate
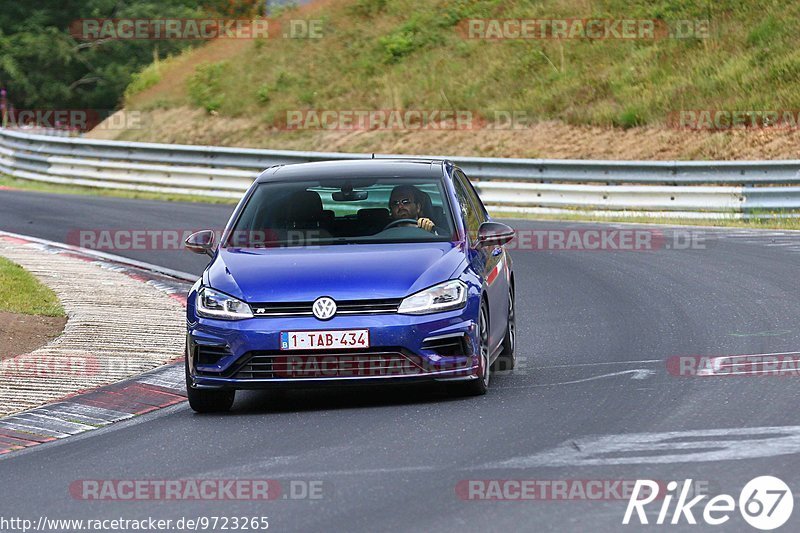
[(324, 340)]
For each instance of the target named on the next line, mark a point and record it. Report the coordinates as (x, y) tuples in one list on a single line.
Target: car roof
[(357, 168)]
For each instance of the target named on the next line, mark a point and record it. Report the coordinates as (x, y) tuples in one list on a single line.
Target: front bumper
[(405, 345)]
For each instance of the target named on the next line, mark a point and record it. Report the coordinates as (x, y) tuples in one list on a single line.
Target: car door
[(488, 261)]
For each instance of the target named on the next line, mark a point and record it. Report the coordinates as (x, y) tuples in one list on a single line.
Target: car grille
[(268, 365), (345, 307)]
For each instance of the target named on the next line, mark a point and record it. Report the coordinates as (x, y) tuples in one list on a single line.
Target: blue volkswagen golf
[(348, 272)]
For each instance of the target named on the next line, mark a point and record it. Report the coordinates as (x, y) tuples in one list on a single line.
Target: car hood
[(343, 272)]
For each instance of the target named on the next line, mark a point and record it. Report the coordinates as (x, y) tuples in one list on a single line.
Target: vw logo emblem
[(324, 308)]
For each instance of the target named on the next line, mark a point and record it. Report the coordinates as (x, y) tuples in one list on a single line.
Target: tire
[(478, 387), (507, 359), (208, 401)]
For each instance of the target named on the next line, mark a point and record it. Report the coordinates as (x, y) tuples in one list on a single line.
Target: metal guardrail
[(673, 188)]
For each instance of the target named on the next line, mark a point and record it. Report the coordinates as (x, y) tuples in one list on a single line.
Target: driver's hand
[(426, 224)]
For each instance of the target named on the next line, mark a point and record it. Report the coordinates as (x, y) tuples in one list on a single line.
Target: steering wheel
[(400, 221)]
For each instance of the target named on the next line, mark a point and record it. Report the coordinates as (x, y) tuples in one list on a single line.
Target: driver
[(406, 202)]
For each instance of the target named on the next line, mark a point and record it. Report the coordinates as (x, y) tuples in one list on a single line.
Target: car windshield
[(345, 211)]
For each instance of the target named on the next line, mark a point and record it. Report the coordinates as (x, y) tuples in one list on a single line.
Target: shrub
[(204, 86)]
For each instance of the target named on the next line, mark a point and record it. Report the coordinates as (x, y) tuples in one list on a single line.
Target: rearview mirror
[(349, 196), (201, 242), (494, 234)]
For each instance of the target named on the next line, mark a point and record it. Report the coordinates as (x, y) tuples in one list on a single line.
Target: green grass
[(22, 293), (40, 186), (752, 223), (144, 79), (379, 54)]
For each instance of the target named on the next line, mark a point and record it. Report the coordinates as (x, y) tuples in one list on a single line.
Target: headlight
[(214, 304), (443, 297)]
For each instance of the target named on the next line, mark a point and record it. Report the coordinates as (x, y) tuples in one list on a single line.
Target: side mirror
[(494, 234), (201, 242)]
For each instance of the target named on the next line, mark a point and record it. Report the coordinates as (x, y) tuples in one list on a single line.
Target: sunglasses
[(396, 203)]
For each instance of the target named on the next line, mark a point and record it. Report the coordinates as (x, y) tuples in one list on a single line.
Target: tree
[(44, 67)]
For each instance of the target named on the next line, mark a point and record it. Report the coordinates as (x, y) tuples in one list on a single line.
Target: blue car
[(351, 272)]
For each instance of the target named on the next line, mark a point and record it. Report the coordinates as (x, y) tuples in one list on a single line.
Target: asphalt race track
[(592, 399)]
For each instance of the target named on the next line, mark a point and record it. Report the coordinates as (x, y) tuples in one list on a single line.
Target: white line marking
[(358, 472), (603, 363), (639, 373), (770, 373), (64, 415), (752, 355), (88, 411), (34, 430), (669, 447), (45, 421)]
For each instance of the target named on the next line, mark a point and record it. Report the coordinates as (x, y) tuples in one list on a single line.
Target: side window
[(471, 217), (473, 196)]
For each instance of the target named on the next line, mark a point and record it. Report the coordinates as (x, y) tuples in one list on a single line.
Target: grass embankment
[(22, 293), (377, 54), (607, 98)]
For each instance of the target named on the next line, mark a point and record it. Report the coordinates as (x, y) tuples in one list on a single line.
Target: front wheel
[(507, 359), (478, 387), (208, 401)]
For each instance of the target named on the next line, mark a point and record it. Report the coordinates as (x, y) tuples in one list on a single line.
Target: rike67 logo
[(766, 503)]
